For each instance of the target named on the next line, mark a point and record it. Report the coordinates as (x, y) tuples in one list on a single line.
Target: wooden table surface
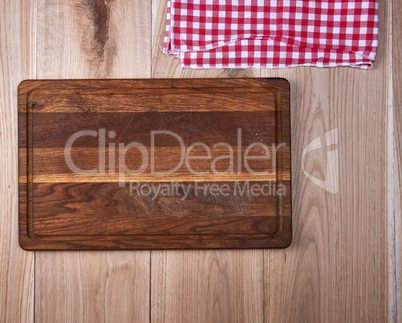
[(344, 264)]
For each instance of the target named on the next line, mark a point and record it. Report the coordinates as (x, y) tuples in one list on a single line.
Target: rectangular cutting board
[(154, 164)]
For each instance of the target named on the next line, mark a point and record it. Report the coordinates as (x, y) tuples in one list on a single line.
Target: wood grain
[(49, 164), (84, 209), (207, 286), (50, 129), (151, 100), (17, 61), (93, 39), (104, 286), (395, 270), (336, 269)]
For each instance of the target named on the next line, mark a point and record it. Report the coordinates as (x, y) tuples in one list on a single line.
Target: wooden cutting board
[(154, 164)]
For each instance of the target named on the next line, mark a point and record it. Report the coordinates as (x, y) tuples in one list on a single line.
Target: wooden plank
[(87, 198), (148, 100), (103, 286), (201, 286), (50, 130), (93, 39), (335, 269), (17, 61), (207, 286), (49, 164), (395, 269)]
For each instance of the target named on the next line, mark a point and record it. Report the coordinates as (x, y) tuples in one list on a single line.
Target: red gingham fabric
[(272, 34)]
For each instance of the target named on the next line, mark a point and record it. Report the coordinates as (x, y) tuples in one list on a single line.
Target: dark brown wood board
[(154, 164)]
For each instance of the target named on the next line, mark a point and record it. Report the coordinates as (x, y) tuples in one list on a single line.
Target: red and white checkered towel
[(272, 33)]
